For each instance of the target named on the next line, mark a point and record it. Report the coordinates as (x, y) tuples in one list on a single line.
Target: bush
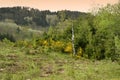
[(8, 42), (68, 47)]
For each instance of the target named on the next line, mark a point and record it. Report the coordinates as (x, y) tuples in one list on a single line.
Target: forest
[(42, 38)]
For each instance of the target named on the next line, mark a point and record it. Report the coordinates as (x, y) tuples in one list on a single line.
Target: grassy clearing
[(15, 64)]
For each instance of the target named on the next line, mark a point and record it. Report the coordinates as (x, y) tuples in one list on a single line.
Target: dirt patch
[(15, 67), (47, 70), (60, 71), (1, 69), (2, 57), (61, 62), (32, 52), (12, 57)]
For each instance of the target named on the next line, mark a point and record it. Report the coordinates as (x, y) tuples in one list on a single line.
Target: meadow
[(16, 64)]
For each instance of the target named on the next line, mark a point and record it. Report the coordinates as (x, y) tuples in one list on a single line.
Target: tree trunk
[(73, 45)]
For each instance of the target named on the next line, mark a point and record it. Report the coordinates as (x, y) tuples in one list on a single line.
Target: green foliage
[(52, 20), (96, 35), (117, 49), (7, 41), (14, 32), (7, 36), (35, 18), (105, 25)]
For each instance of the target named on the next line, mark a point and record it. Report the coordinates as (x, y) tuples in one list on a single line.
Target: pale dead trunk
[(73, 45)]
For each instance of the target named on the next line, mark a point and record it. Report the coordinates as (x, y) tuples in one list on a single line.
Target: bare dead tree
[(73, 44)]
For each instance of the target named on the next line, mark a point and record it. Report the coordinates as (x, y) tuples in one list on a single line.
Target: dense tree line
[(30, 16)]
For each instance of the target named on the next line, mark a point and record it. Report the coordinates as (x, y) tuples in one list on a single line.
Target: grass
[(15, 64)]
